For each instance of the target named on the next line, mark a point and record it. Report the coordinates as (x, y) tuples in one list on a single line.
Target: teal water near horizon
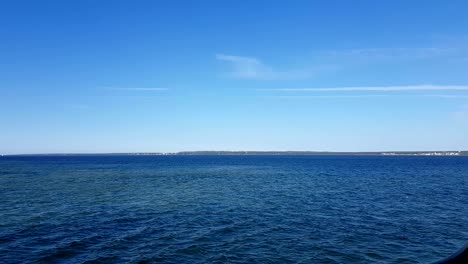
[(232, 209)]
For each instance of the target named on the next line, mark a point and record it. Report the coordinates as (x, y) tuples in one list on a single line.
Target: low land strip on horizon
[(297, 153)]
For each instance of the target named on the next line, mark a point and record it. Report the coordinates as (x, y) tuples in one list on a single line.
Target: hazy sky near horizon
[(143, 76)]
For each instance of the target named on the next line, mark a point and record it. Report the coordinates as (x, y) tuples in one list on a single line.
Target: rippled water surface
[(232, 209)]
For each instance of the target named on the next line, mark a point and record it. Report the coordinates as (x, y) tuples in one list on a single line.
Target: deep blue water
[(232, 209)]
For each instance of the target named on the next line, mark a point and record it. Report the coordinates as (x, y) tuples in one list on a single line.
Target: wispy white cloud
[(326, 96), (377, 88), (150, 89), (388, 54), (253, 68), (328, 61), (448, 96), (452, 48)]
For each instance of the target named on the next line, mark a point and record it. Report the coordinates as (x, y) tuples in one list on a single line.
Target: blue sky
[(142, 76)]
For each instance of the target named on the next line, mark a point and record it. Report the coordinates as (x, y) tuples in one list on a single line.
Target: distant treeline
[(298, 153), (409, 153)]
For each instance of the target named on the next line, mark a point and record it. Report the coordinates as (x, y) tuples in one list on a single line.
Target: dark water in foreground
[(232, 209)]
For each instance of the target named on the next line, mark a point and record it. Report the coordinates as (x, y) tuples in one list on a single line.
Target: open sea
[(232, 209)]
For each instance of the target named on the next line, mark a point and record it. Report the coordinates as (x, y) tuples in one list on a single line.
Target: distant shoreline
[(259, 153)]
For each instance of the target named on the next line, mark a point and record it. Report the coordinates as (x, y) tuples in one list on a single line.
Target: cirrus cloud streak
[(376, 88)]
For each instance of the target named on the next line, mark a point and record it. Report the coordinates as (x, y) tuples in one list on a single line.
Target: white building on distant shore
[(435, 153)]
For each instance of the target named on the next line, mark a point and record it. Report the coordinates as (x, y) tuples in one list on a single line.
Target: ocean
[(232, 209)]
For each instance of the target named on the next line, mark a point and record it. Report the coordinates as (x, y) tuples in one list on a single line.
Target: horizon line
[(229, 151)]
